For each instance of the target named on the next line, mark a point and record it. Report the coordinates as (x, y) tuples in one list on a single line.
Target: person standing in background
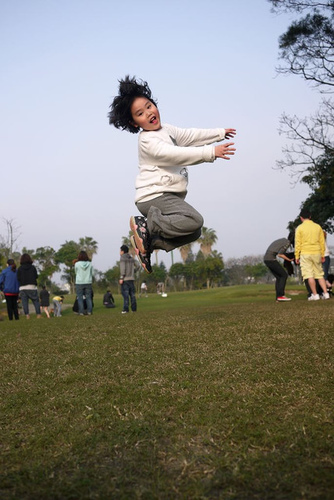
[(27, 277), (143, 289), (10, 286), (310, 253), (127, 279), (83, 282)]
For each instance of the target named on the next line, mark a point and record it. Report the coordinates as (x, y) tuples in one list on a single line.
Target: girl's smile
[(145, 114)]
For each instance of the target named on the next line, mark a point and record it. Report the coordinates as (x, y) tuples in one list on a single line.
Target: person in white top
[(143, 289), (164, 152)]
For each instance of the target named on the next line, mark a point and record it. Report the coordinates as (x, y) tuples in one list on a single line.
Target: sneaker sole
[(138, 239), (134, 245)]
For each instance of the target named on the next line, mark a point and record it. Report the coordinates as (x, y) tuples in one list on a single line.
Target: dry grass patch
[(215, 398)]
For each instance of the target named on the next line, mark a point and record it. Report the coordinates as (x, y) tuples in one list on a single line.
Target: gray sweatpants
[(171, 221)]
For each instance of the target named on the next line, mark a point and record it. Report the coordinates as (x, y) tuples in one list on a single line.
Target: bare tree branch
[(12, 236)]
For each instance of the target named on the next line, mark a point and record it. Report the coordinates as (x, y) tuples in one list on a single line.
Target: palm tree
[(89, 245), (207, 240), (185, 251)]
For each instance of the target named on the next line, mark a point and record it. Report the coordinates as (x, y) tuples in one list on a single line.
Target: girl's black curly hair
[(120, 109)]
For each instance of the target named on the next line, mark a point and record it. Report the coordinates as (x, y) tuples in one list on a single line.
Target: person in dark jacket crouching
[(108, 300)]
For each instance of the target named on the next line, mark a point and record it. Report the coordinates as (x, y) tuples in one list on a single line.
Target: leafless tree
[(13, 234)]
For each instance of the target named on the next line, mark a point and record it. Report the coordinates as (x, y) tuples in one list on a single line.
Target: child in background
[(57, 302), (44, 297), (165, 151)]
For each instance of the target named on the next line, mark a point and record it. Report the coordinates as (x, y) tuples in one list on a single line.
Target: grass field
[(220, 394)]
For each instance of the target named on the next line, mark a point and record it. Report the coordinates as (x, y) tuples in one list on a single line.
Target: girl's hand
[(224, 150), (230, 133)]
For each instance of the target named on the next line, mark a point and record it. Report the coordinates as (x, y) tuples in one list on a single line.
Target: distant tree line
[(206, 269), (48, 261)]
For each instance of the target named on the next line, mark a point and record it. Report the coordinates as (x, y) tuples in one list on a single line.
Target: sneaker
[(125, 312), (283, 299), (138, 226), (325, 296), (314, 297), (145, 260)]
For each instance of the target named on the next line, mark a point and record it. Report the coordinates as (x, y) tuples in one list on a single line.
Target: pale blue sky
[(68, 174)]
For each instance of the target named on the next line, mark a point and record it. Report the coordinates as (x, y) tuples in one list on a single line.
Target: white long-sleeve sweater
[(164, 155)]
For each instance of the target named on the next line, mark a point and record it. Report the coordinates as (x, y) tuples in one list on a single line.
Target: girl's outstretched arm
[(225, 150), (230, 133)]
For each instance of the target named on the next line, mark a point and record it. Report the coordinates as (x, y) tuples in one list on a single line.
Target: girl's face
[(145, 114)]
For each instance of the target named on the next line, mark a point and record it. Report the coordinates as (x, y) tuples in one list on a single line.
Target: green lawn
[(220, 394)]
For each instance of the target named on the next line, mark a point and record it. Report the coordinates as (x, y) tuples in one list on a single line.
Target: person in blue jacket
[(10, 286)]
